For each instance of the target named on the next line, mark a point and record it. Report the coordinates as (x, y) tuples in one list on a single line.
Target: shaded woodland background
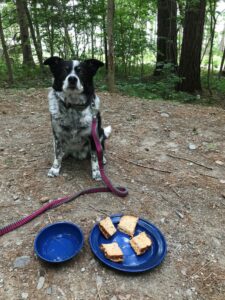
[(153, 49)]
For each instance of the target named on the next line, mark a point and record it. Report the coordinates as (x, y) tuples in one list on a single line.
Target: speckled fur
[(72, 112)]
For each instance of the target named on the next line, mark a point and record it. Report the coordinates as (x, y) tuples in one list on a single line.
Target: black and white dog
[(72, 105)]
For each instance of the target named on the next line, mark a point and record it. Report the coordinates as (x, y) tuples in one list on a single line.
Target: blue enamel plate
[(132, 262)]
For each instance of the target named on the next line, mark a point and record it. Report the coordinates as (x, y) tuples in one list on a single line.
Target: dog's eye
[(77, 69), (67, 69)]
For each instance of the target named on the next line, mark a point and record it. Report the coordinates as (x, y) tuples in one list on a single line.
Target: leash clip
[(94, 111)]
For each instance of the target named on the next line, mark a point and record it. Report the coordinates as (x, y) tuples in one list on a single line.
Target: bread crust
[(140, 243), (128, 224), (112, 252), (107, 227)]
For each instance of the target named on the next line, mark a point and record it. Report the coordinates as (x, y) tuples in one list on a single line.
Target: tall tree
[(36, 42), (62, 9), (24, 33), (5, 52), (190, 60), (111, 63), (166, 34)]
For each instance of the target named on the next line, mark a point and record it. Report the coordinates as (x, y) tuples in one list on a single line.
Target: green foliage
[(135, 34)]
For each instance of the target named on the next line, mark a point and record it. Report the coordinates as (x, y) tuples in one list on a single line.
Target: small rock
[(183, 272), (222, 181), (83, 270), (179, 214), (21, 262), (162, 220), (49, 291), (98, 219), (189, 292), (19, 242), (24, 295), (99, 281), (216, 242), (219, 162), (44, 199), (15, 197), (1, 282), (165, 115), (114, 298), (41, 282), (192, 146)]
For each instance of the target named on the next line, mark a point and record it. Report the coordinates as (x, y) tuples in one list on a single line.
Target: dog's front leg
[(96, 175), (58, 156)]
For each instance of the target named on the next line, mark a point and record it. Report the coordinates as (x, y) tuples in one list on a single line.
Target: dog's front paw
[(96, 175), (53, 172), (104, 161)]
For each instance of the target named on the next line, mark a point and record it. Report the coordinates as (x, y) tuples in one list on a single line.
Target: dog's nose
[(72, 79)]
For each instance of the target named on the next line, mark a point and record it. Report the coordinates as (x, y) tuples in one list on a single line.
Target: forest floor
[(170, 156)]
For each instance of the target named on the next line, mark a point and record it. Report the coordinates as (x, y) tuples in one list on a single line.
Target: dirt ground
[(170, 156)]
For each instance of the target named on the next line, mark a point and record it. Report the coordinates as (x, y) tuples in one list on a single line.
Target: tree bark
[(24, 33), (221, 72), (111, 64), (62, 12), (5, 51), (166, 34), (33, 35), (105, 40), (190, 60)]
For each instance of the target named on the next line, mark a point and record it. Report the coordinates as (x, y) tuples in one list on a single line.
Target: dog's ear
[(93, 65), (53, 62)]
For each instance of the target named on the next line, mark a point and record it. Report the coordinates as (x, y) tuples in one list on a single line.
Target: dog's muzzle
[(72, 80)]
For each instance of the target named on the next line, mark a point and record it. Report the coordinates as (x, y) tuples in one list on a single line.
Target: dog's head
[(73, 76)]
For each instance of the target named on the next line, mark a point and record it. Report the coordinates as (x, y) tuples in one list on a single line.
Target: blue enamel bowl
[(58, 242)]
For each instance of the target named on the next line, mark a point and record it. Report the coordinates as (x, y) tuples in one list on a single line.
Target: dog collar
[(78, 107)]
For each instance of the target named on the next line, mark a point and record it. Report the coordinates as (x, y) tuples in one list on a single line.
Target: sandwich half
[(112, 251), (140, 243), (107, 228), (128, 224)]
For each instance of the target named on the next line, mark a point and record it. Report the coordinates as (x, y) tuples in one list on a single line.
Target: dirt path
[(178, 189)]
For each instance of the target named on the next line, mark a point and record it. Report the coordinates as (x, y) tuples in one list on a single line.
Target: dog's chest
[(71, 126)]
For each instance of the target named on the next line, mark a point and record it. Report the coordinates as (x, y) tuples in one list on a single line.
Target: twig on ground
[(50, 220), (211, 176), (98, 292), (175, 192), (142, 166), (202, 267), (192, 161), (99, 210)]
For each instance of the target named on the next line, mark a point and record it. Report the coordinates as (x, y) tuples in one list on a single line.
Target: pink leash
[(118, 191)]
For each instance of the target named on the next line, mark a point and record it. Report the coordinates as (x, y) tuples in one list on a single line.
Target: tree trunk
[(33, 35), (62, 12), (105, 38), (5, 51), (111, 65), (166, 34), (36, 25), (212, 6), (189, 69), (221, 72), (24, 33)]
